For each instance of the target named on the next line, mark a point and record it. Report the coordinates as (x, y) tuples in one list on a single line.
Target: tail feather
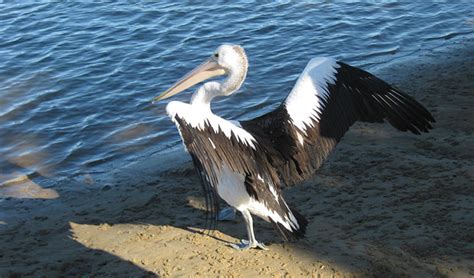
[(298, 233)]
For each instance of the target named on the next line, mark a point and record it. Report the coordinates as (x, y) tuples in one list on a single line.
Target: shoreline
[(400, 206)]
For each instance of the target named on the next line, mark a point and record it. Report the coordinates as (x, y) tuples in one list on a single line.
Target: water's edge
[(150, 167)]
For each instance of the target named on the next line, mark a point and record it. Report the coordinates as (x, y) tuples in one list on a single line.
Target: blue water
[(76, 79)]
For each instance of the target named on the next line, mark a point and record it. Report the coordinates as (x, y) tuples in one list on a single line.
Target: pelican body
[(246, 163)]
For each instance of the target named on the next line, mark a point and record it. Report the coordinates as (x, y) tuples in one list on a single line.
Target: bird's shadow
[(55, 224)]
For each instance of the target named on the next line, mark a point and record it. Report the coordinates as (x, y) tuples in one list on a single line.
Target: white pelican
[(247, 162)]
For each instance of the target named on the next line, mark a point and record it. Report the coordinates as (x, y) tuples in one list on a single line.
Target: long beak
[(206, 70)]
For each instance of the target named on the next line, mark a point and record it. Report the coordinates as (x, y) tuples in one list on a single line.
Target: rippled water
[(76, 79)]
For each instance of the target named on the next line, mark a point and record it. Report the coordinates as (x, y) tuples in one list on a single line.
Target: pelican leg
[(252, 242), (226, 214)]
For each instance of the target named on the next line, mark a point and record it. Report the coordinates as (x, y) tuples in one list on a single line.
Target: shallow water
[(76, 79)]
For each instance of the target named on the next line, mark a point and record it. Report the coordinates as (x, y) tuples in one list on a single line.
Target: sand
[(386, 203)]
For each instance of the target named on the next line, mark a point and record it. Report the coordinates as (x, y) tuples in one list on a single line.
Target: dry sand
[(386, 203)]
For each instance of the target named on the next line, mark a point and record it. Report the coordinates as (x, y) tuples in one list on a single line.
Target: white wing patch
[(197, 118), (303, 103)]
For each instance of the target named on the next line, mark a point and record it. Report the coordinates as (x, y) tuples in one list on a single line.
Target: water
[(76, 80)]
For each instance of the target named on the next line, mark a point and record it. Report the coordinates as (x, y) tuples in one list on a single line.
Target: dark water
[(76, 79)]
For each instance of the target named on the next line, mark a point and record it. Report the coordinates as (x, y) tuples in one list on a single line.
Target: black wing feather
[(239, 157), (254, 163), (356, 95)]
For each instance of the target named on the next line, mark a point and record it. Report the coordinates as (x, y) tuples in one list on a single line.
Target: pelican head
[(227, 60)]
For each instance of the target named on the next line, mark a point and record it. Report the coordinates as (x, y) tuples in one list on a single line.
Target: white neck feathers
[(236, 73)]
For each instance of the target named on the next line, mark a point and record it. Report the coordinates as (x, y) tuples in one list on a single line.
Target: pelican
[(246, 163)]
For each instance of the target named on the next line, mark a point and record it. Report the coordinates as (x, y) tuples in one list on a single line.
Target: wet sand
[(386, 203)]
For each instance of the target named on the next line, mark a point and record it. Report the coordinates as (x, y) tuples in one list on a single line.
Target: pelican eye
[(216, 55)]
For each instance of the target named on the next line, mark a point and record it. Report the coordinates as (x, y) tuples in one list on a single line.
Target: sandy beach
[(385, 204)]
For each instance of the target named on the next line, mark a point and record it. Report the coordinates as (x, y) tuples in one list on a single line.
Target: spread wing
[(327, 99)]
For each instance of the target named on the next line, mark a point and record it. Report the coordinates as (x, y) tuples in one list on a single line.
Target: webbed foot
[(245, 244)]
